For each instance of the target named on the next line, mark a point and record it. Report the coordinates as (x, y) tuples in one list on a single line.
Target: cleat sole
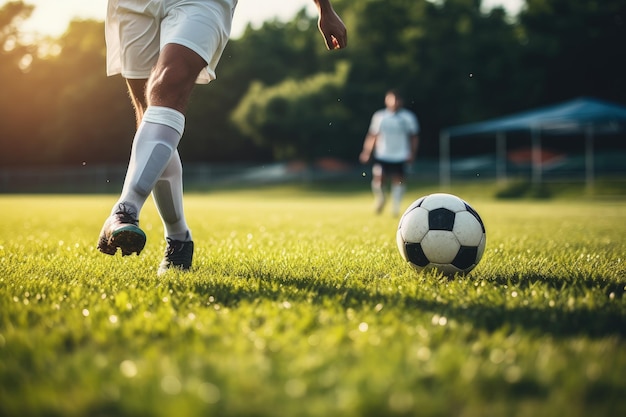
[(129, 239)]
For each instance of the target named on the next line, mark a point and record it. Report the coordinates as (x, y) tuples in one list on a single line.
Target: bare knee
[(174, 76)]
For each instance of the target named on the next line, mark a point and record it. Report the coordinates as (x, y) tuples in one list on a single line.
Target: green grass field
[(300, 305)]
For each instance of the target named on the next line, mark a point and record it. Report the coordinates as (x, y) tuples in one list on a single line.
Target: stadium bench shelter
[(587, 116)]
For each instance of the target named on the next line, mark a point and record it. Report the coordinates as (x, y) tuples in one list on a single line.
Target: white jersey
[(137, 30), (393, 131)]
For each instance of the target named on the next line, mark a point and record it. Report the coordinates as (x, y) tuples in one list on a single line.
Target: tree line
[(280, 95)]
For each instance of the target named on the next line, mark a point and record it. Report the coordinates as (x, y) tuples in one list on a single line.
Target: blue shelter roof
[(567, 117)]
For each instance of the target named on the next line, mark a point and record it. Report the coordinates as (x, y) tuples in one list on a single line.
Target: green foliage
[(295, 118), (521, 189), (580, 49), (299, 304)]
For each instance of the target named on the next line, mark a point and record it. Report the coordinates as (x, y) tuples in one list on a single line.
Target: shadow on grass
[(558, 320)]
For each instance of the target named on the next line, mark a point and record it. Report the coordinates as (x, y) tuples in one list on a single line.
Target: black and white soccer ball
[(443, 232)]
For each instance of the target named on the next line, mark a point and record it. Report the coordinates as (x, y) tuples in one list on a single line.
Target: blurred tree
[(296, 118), (574, 48), (15, 63), (90, 118)]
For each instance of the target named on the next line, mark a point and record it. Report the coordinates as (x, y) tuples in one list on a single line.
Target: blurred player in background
[(390, 144), (163, 48)]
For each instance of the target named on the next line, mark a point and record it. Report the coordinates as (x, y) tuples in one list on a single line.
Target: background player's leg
[(398, 188), (377, 187)]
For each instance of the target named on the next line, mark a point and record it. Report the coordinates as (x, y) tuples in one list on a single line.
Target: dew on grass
[(170, 385), (496, 356), (438, 320), (513, 374), (374, 340), (295, 388), (401, 402), (423, 354), (209, 393), (128, 368), (313, 340)]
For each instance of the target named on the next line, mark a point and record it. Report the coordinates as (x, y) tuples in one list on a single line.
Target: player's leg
[(378, 178), (190, 52), (168, 190), (398, 188), (137, 93), (132, 36), (162, 123), (168, 91), (154, 146)]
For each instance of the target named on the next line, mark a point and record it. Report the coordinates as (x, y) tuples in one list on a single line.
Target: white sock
[(377, 190), (397, 192), (168, 197), (153, 147)]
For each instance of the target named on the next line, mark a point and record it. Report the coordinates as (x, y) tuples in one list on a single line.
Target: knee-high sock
[(377, 190), (168, 197), (397, 192), (153, 147)]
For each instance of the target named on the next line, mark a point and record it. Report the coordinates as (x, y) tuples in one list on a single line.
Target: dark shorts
[(388, 168)]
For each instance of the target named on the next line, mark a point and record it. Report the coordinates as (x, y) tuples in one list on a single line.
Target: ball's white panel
[(414, 204), (400, 243), (414, 225), (467, 229), (439, 200), (440, 246)]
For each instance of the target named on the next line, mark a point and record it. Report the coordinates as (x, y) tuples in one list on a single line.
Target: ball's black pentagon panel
[(415, 254), (466, 257), (441, 219)]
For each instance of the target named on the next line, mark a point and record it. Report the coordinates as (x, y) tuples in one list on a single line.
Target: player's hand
[(332, 29), (365, 156)]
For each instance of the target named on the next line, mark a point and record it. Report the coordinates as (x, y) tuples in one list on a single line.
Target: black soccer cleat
[(121, 231), (178, 254)]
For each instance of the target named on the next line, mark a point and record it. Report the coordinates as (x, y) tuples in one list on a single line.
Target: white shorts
[(137, 30)]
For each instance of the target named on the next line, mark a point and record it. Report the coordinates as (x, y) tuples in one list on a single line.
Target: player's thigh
[(201, 26)]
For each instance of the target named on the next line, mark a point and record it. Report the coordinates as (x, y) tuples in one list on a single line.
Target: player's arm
[(368, 148), (330, 25)]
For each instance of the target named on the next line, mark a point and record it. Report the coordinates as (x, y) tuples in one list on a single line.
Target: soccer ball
[(442, 232)]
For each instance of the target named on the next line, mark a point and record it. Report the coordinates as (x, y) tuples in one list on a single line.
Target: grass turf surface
[(299, 304)]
